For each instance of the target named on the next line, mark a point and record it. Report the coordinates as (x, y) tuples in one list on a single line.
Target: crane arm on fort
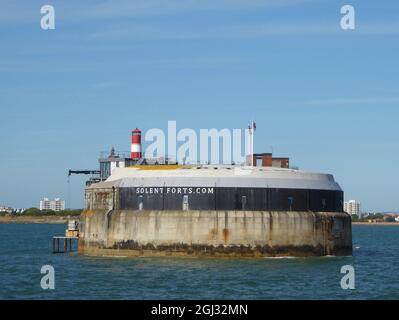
[(95, 178), (70, 172)]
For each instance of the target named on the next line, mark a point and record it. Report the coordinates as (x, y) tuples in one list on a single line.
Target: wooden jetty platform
[(65, 246)]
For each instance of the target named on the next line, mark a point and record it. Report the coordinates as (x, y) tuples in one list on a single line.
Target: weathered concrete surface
[(214, 233)]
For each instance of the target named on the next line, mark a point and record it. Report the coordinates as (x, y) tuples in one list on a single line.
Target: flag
[(252, 127)]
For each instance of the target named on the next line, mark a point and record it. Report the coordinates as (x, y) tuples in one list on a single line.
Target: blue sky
[(325, 97)]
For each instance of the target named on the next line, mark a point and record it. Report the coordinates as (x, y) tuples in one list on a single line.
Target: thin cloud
[(378, 28), (250, 30), (146, 31), (354, 101), (137, 8)]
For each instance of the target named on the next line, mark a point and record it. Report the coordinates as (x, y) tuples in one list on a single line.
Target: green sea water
[(25, 248)]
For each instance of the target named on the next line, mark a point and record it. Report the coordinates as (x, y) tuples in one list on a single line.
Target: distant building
[(56, 205), (6, 209), (353, 207)]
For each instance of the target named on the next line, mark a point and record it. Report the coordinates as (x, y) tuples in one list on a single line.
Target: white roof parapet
[(220, 176)]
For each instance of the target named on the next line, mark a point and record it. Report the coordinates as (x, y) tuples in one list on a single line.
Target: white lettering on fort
[(174, 190)]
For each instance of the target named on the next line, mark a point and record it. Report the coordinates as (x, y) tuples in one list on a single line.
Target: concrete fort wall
[(214, 198), (214, 233)]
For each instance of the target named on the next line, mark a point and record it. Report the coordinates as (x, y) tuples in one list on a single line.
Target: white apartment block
[(353, 207), (56, 205)]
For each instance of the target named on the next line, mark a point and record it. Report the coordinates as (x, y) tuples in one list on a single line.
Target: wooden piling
[(66, 245)]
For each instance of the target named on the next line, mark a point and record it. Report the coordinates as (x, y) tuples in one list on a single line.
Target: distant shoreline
[(36, 219), (377, 223)]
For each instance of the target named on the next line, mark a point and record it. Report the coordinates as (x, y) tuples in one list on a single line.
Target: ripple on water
[(374, 259)]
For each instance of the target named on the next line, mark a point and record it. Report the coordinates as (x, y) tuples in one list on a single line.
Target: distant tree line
[(376, 217), (37, 212)]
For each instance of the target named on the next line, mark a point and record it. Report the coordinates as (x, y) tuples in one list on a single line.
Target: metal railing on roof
[(113, 153)]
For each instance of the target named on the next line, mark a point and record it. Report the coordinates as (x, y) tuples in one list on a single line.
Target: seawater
[(25, 248)]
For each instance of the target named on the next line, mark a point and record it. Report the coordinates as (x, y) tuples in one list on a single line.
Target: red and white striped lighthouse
[(136, 144)]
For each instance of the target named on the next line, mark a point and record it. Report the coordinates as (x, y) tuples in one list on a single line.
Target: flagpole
[(252, 146), (252, 140), (251, 131)]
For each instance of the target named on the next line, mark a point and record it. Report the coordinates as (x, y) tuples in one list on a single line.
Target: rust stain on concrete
[(226, 236)]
